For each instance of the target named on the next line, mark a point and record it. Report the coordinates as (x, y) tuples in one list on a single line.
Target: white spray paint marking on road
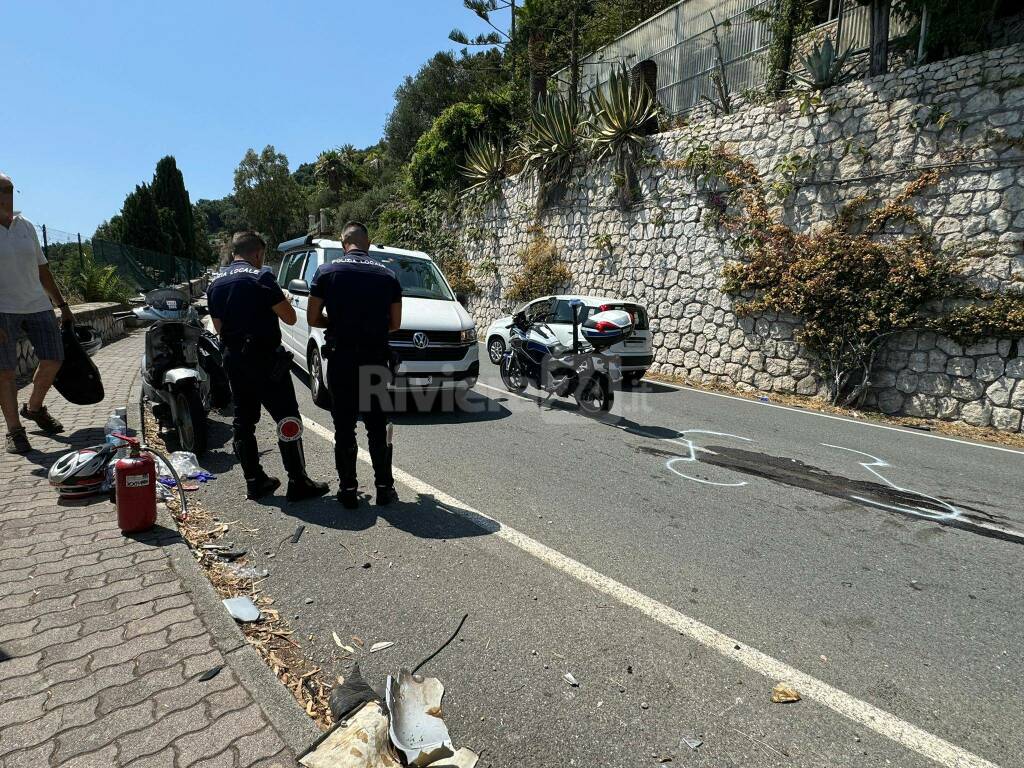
[(930, 514), (801, 411), (884, 723), (807, 412), (686, 443)]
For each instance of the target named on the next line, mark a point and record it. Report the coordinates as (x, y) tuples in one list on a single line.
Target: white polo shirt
[(21, 293)]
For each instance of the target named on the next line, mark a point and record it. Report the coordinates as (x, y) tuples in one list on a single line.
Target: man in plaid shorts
[(26, 292)]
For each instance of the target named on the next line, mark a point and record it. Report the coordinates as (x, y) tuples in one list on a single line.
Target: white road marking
[(921, 511), (806, 412), (802, 411), (504, 392), (685, 442), (884, 723)]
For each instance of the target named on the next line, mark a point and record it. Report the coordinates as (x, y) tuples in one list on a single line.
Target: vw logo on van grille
[(420, 340)]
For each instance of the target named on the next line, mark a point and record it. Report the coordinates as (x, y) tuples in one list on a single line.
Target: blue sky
[(97, 91)]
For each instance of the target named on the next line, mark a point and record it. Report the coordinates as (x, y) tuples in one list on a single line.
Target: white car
[(635, 352), (437, 340)]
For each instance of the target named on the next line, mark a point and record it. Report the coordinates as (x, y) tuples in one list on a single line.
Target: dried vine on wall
[(852, 282)]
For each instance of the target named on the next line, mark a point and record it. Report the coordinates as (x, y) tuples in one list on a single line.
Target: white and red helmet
[(82, 472)]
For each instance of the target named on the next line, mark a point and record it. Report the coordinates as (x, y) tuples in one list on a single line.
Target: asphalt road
[(677, 558)]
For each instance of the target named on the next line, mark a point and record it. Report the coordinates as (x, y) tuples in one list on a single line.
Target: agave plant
[(485, 165), (824, 67), (620, 114), (551, 145)]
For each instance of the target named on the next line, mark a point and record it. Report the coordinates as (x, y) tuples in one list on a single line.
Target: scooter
[(182, 367), (585, 371)]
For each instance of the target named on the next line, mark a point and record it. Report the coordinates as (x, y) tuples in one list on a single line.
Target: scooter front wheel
[(190, 421)]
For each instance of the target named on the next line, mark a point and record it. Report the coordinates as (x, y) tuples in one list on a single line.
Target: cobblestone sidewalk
[(101, 646)]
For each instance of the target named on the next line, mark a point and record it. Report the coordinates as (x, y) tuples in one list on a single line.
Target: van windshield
[(420, 278)]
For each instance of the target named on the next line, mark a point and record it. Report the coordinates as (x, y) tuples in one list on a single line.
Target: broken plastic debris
[(692, 742), (185, 464), (783, 693), (246, 571), (350, 693), (571, 680), (380, 646), (416, 728), (463, 758), (242, 609), (210, 673), (297, 534), (362, 742)]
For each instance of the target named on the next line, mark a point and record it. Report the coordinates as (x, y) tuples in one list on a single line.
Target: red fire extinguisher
[(135, 489)]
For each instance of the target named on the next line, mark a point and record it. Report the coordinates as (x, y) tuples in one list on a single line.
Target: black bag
[(78, 379)]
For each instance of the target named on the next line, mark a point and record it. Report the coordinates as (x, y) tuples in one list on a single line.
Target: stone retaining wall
[(870, 137)]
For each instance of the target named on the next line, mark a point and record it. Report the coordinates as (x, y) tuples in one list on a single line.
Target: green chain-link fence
[(145, 269)]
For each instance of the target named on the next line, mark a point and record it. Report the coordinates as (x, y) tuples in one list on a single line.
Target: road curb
[(284, 714), (278, 705)]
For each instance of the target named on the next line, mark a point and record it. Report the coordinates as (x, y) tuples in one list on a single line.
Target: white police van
[(437, 340)]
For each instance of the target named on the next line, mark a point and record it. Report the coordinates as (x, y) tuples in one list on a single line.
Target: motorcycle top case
[(606, 329), (78, 379)]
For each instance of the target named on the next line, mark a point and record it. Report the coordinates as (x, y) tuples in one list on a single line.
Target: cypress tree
[(140, 221), (169, 192)]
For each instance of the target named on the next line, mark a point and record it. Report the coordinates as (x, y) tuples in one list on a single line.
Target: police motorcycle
[(585, 371), (183, 374)]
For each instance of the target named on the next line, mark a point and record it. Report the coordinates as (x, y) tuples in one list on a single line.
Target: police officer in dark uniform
[(363, 301), (246, 303)]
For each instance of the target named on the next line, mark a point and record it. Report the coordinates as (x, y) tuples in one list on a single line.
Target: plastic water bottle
[(115, 424)]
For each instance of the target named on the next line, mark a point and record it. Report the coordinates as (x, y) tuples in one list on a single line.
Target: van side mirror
[(298, 287), (462, 298)]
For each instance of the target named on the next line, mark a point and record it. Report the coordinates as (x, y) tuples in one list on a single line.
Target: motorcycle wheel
[(512, 375), (190, 421), (596, 397)]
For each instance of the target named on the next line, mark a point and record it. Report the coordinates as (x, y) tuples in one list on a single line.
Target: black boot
[(257, 484), (300, 486), (348, 498), (386, 495)]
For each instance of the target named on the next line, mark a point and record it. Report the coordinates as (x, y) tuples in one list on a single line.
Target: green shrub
[(439, 152), (851, 282), (88, 280), (543, 271)]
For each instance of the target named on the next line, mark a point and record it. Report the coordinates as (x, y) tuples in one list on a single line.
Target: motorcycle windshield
[(168, 300)]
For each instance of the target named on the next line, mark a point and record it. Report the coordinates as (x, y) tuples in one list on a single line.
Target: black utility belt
[(275, 360)]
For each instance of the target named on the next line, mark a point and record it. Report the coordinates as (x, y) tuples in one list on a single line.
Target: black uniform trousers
[(360, 390), (254, 387)]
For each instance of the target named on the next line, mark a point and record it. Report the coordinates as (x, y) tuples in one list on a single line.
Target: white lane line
[(503, 391), (806, 412), (888, 725), (913, 432)]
